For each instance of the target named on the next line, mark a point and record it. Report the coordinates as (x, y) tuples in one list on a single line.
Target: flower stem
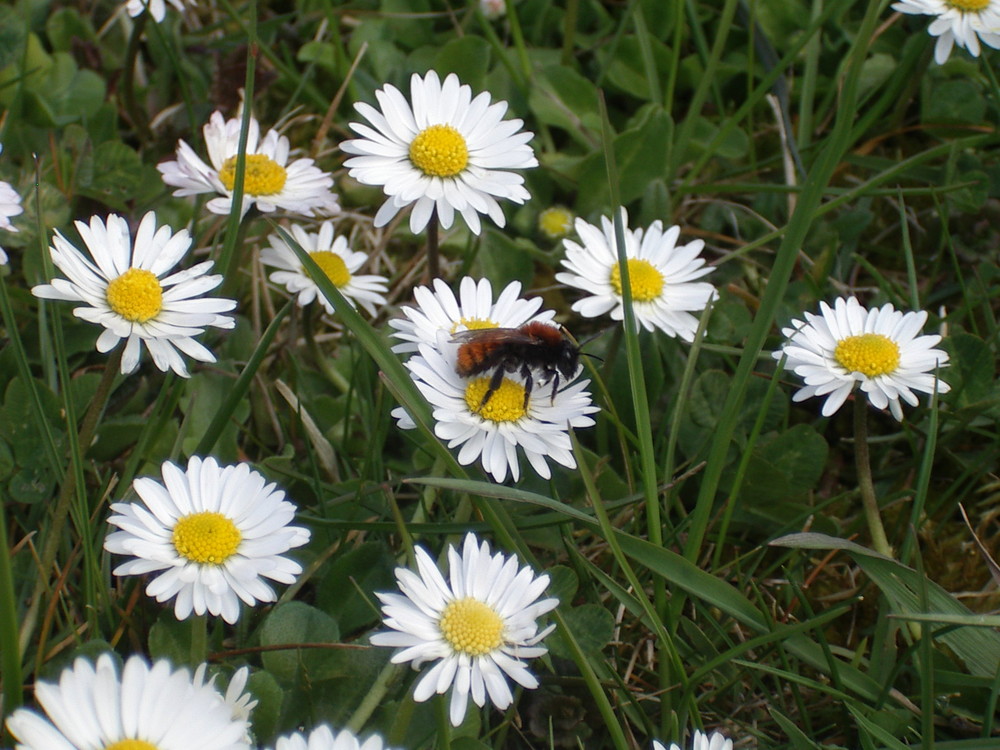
[(865, 484), (433, 264)]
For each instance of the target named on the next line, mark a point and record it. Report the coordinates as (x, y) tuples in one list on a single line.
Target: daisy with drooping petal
[(323, 738), (701, 741), (127, 290), (879, 350), (338, 262), (440, 310), (447, 151), (215, 533), (967, 22), (145, 708), (157, 8), (270, 182), (492, 432), (10, 205), (478, 626), (661, 273)]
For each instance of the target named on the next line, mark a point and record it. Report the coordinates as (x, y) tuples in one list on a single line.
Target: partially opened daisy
[(212, 533), (441, 310), (10, 205), (270, 182), (701, 741), (130, 290), (967, 22), (338, 261), (444, 150), (323, 738), (478, 627), (144, 708), (508, 423), (662, 275), (156, 8), (879, 350)]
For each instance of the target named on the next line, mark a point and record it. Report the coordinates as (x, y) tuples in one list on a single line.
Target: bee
[(532, 347)]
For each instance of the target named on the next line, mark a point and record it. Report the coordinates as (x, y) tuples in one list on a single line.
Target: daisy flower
[(10, 205), (127, 290), (156, 7), (478, 626), (446, 152), (967, 22), (537, 423), (338, 262), (270, 182), (240, 703), (323, 738), (440, 310), (214, 532), (879, 350), (701, 741), (145, 708), (662, 276)]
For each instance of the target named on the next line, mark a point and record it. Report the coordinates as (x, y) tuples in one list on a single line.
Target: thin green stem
[(569, 31), (199, 639), (862, 461), (444, 725), (374, 697), (10, 650)]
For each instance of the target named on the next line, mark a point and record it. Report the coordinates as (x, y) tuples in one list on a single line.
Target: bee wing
[(490, 336)]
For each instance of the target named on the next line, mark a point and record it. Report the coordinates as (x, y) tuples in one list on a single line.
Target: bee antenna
[(592, 356)]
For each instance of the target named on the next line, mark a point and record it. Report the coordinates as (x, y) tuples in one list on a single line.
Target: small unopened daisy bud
[(493, 9), (555, 222)]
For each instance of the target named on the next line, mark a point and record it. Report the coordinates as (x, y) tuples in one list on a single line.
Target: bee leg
[(495, 382), (555, 387), (528, 384)]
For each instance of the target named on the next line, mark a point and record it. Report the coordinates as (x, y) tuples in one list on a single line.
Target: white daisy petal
[(470, 639), (879, 350), (963, 24), (323, 738)]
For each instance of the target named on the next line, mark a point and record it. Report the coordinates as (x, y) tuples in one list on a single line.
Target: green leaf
[(347, 589), (170, 639), (785, 467), (565, 99), (904, 587), (593, 627), (64, 26), (117, 175), (265, 689), (952, 101), (298, 623), (468, 57)]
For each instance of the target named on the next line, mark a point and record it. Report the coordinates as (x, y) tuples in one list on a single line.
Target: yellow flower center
[(333, 266), (439, 151), (471, 627), (136, 295), (506, 404), (870, 354), (207, 538), (555, 222), (131, 745), (968, 6), (262, 176), (473, 324), (646, 281)]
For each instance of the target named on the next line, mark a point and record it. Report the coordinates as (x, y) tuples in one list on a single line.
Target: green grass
[(678, 609)]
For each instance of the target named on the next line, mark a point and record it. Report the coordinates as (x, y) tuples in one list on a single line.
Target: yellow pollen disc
[(555, 222), (473, 324), (646, 281), (439, 151), (471, 627), (333, 266), (505, 405), (208, 538), (262, 176), (131, 745), (870, 354), (136, 295), (968, 6)]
